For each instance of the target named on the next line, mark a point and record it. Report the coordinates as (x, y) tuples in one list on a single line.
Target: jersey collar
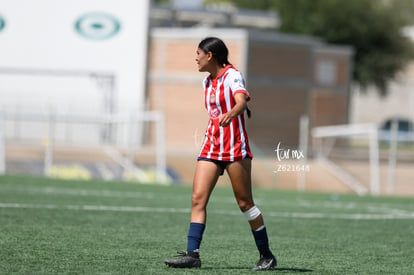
[(222, 72)]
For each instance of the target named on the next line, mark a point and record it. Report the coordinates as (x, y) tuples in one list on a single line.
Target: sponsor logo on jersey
[(214, 113)]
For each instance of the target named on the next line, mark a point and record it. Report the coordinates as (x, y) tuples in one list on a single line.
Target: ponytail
[(249, 113), (226, 62)]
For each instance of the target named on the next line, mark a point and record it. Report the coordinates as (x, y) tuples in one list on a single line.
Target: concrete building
[(369, 106)]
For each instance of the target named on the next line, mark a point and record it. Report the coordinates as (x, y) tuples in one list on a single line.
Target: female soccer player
[(225, 147)]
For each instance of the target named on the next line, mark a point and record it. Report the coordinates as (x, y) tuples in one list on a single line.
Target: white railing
[(132, 119), (2, 146)]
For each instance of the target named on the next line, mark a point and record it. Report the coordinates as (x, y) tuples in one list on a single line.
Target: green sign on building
[(97, 26), (2, 23)]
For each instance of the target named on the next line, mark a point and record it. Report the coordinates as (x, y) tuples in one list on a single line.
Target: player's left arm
[(238, 108)]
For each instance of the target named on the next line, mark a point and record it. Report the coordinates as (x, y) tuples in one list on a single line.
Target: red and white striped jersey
[(225, 143)]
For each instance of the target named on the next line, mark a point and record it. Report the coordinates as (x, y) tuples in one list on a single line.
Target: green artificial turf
[(50, 226)]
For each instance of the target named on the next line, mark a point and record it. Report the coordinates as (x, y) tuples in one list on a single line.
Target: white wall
[(369, 106), (41, 35)]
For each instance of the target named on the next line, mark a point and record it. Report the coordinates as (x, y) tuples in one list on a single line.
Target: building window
[(326, 72)]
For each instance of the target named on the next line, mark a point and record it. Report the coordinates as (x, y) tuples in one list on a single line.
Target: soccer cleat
[(265, 263), (185, 260)]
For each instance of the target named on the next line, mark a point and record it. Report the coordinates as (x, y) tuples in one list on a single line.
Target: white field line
[(101, 193), (355, 216), (230, 200), (383, 209)]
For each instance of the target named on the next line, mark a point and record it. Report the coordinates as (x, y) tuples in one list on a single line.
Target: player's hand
[(238, 108), (225, 119)]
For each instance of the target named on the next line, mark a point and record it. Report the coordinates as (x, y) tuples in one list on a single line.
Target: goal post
[(368, 132)]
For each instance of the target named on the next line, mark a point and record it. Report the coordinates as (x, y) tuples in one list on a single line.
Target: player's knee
[(197, 201), (252, 213), (245, 205)]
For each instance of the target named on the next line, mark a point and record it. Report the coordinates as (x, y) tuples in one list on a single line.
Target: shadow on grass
[(276, 269), (290, 269)]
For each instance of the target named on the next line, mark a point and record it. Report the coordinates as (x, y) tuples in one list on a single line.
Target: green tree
[(372, 27)]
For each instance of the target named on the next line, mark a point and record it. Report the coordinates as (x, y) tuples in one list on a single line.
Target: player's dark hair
[(218, 49)]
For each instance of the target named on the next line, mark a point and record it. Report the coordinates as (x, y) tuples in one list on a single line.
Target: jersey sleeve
[(237, 84)]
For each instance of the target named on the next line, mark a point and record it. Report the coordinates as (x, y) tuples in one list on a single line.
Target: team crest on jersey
[(213, 98)]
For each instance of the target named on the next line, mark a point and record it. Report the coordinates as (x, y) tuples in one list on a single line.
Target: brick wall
[(282, 77)]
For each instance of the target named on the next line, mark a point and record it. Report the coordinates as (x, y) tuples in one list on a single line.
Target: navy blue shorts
[(222, 164)]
